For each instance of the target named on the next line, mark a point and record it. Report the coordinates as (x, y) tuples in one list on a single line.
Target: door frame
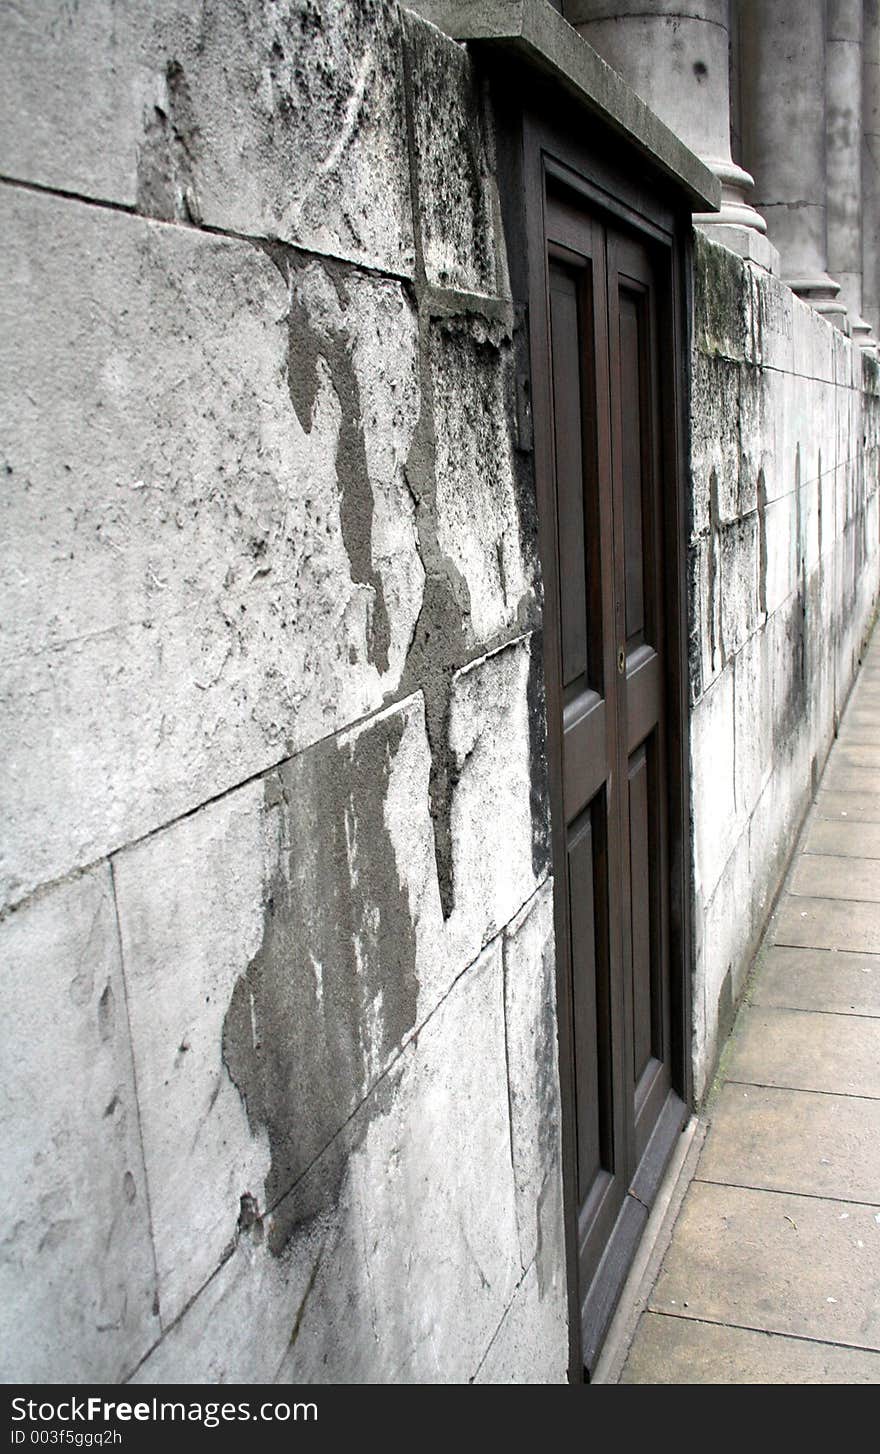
[(610, 179)]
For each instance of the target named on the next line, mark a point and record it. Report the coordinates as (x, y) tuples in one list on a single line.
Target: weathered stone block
[(213, 555), (722, 301), (498, 849), (772, 321), (191, 910), (753, 727), (282, 121), (780, 534), (714, 809), (477, 497), (361, 1274), (74, 95), (275, 943), (458, 204), (531, 1345), (725, 939), (77, 1279), (715, 445), (530, 1019), (740, 552)]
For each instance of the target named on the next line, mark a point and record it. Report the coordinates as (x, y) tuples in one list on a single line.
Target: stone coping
[(538, 33)]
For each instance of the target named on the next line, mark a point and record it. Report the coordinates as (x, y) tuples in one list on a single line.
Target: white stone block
[(212, 554), (77, 1278), (531, 1345), (496, 868), (478, 520), (283, 121), (362, 1273), (191, 909), (716, 825), (458, 205), (532, 1059)]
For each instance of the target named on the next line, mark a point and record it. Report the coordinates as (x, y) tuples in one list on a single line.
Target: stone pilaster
[(680, 65), (843, 132), (784, 135), (871, 166)]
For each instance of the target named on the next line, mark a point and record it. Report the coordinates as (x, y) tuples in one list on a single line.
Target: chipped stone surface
[(282, 121), (457, 198), (77, 1280), (212, 554), (378, 1264), (478, 521)]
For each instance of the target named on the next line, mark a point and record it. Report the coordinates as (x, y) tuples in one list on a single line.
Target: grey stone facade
[(280, 1050)]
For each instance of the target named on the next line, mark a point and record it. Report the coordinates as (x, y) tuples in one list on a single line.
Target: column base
[(735, 210), (821, 293), (754, 246)]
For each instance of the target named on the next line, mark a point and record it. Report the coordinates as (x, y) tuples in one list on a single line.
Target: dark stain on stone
[(539, 792), (762, 542), (168, 157), (310, 343), (106, 1013), (715, 622), (701, 70), (438, 644), (332, 990)]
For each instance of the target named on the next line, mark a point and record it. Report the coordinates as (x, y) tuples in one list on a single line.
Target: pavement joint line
[(784, 944), (808, 1010), (844, 858), (783, 1009), (805, 894), (772, 1332), (781, 1191), (813, 1091)]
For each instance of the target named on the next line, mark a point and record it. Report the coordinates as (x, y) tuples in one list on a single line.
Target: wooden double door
[(607, 355)]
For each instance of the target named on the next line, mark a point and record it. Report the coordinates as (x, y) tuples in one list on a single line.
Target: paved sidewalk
[(772, 1274)]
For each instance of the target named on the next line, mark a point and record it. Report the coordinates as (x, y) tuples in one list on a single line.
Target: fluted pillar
[(871, 166), (784, 138), (843, 133), (680, 65)]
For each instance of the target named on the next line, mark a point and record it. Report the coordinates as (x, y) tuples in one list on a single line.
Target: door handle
[(621, 661)]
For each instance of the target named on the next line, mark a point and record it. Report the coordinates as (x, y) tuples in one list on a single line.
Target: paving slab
[(836, 877), (818, 979), (847, 840), (679, 1350), (764, 1259), (860, 808), (839, 777), (794, 1141), (805, 1051), (859, 725), (824, 923), (864, 754)]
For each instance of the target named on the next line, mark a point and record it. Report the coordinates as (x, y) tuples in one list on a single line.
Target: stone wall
[(281, 1098), (784, 563), (279, 1041)]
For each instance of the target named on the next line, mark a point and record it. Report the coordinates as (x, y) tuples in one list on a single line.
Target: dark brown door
[(606, 357)]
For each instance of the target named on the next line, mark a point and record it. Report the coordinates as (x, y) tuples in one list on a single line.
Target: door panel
[(604, 374)]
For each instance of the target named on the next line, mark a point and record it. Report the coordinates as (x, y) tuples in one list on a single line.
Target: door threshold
[(643, 1273), (634, 1218)]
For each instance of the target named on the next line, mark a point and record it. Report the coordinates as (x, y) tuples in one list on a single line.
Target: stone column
[(783, 122), (871, 166), (843, 150), (680, 65)]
